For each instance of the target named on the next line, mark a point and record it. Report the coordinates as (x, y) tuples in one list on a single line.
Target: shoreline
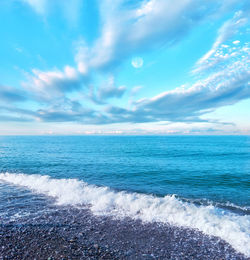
[(77, 234)]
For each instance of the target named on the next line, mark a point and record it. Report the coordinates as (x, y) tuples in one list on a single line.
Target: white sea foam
[(233, 228)]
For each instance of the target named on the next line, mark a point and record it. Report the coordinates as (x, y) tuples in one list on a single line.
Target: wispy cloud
[(129, 29), (70, 9), (40, 6), (11, 95), (10, 113), (126, 29), (229, 29), (142, 27), (53, 84), (106, 91), (221, 88)]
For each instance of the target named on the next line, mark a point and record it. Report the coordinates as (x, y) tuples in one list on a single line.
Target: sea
[(195, 182)]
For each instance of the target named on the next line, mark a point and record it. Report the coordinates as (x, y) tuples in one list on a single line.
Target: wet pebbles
[(77, 234)]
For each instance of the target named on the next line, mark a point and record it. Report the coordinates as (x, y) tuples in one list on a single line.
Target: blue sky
[(124, 67)]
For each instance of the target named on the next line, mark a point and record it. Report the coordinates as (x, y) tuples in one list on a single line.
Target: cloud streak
[(220, 89), (53, 84), (127, 31), (135, 28), (178, 105), (11, 95), (229, 29), (106, 91), (69, 9), (127, 28)]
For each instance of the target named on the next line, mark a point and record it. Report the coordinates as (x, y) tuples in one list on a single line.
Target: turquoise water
[(205, 167), (200, 182)]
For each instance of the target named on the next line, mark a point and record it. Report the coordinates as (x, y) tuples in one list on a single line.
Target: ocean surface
[(198, 182)]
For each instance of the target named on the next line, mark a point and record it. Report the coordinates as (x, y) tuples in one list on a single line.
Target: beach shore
[(77, 234)]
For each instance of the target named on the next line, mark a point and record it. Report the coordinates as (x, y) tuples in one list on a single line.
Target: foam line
[(233, 228)]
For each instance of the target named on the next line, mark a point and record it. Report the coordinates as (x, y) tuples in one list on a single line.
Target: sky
[(124, 67)]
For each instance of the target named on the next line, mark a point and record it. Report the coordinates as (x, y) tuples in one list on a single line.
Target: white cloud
[(106, 91), (227, 31), (82, 56), (221, 88), (129, 32), (51, 84), (236, 42), (124, 31), (222, 57), (151, 24), (137, 62)]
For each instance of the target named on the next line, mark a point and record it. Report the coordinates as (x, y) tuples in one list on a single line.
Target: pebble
[(89, 237)]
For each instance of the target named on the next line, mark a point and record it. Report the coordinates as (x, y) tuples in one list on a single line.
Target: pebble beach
[(77, 234)]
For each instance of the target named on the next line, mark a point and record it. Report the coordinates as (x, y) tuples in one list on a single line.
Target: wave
[(243, 210), (233, 228)]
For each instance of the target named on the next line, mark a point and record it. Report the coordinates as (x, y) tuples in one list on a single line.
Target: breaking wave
[(209, 219)]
